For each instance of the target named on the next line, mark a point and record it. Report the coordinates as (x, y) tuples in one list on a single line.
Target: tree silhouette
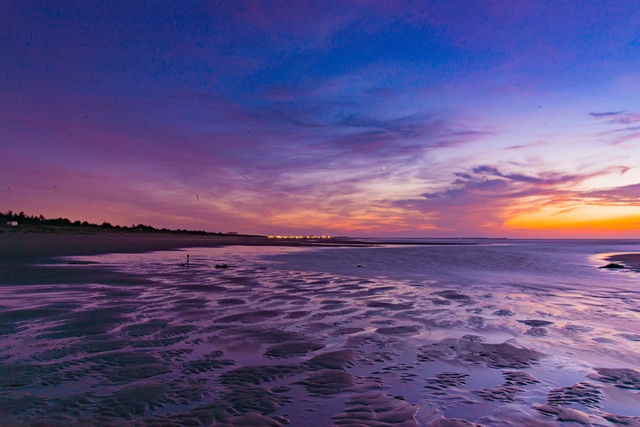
[(40, 223)]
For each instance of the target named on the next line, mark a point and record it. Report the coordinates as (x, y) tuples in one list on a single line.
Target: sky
[(363, 118)]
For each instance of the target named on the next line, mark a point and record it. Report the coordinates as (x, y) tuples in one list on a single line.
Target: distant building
[(12, 223), (232, 232)]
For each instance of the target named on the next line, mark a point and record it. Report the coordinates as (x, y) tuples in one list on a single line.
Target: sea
[(410, 332)]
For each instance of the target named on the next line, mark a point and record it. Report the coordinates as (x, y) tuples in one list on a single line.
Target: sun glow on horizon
[(580, 219)]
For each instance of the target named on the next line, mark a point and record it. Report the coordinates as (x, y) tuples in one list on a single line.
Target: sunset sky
[(364, 118)]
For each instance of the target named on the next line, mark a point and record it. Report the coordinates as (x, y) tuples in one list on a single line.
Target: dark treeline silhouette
[(33, 222)]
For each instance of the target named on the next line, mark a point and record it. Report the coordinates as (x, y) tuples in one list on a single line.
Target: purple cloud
[(481, 199), (627, 195), (606, 114)]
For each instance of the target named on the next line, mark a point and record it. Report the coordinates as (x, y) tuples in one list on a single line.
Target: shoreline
[(71, 243), (29, 258)]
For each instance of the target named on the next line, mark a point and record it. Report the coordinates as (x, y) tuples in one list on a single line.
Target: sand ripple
[(256, 345)]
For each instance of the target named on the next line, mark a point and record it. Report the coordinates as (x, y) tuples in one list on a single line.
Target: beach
[(113, 330)]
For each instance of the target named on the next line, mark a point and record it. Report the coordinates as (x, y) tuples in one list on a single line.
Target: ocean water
[(492, 332)]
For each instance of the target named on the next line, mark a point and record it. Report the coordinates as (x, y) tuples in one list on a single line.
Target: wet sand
[(26, 258), (137, 339), (61, 244), (629, 260)]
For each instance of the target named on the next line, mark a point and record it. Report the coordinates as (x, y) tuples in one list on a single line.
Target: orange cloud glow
[(580, 220)]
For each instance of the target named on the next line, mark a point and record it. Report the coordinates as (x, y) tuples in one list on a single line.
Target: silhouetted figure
[(187, 262)]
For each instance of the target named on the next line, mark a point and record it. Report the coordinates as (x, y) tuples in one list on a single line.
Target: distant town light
[(299, 237)]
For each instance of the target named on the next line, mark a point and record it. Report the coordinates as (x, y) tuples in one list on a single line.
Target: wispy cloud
[(606, 114), (627, 195), (618, 117), (623, 126), (526, 146)]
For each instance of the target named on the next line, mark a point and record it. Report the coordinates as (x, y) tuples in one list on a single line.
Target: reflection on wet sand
[(254, 344)]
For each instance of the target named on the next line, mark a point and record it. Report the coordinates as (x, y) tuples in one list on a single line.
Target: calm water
[(498, 332)]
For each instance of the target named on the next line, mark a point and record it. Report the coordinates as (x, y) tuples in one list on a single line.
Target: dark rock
[(613, 265), (536, 323)]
